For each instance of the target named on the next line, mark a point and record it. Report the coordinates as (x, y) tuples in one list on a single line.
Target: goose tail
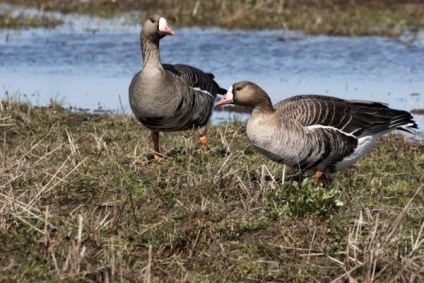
[(404, 121)]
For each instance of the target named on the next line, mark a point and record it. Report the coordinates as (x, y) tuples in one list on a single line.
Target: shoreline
[(347, 19)]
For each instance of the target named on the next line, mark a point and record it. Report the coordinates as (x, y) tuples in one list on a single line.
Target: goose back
[(357, 117)]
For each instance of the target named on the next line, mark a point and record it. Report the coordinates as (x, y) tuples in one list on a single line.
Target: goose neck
[(264, 107), (150, 52)]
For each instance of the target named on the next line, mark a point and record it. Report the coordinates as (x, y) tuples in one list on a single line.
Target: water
[(89, 63)]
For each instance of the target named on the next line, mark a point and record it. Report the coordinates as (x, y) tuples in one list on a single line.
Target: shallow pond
[(89, 63)]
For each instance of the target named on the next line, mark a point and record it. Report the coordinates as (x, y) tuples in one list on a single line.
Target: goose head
[(155, 27), (245, 93)]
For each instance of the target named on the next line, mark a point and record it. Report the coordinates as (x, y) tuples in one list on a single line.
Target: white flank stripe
[(203, 91), (329, 127)]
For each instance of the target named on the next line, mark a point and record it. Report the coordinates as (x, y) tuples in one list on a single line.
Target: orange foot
[(319, 177), (156, 157), (204, 142)]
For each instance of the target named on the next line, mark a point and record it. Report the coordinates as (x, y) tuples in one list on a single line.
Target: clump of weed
[(297, 201)]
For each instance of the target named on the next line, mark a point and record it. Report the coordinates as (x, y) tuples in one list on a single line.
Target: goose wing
[(197, 79), (352, 117), (328, 123)]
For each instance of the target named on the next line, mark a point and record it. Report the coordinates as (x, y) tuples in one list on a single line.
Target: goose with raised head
[(322, 133), (166, 97)]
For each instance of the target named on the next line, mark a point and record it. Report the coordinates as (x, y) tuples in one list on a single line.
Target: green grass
[(74, 207), (345, 17)]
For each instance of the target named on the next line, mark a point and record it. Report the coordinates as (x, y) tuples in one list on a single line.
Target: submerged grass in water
[(75, 207), (7, 20), (352, 18)]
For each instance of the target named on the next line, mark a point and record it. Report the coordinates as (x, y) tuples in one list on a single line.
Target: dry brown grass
[(73, 207)]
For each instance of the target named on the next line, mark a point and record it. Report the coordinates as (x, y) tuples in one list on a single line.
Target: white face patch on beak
[(163, 27), (226, 99), (229, 94), (162, 24)]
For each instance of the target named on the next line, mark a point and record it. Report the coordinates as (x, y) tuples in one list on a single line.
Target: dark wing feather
[(330, 147), (196, 78), (356, 117)]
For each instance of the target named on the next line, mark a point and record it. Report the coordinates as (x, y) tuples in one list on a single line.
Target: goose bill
[(226, 99), (163, 27)]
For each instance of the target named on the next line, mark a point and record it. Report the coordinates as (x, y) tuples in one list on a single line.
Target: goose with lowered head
[(322, 133)]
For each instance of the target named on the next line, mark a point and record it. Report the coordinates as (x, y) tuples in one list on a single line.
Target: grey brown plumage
[(317, 132), (166, 97)]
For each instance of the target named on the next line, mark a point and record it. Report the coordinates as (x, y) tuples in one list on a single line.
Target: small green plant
[(299, 201)]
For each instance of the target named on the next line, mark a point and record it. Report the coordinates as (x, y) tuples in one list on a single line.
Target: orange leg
[(204, 142), (319, 177), (155, 139), (156, 154)]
